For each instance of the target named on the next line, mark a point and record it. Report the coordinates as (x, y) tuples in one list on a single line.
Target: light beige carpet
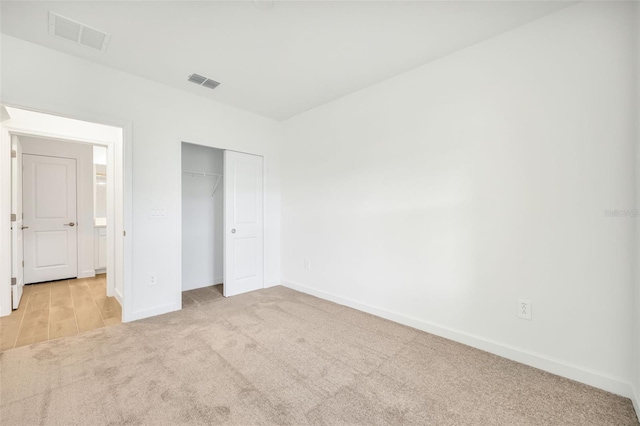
[(277, 356)]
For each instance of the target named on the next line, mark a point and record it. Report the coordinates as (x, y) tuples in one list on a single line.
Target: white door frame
[(205, 143), (119, 196), (17, 226)]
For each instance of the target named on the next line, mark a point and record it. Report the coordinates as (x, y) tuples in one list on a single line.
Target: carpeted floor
[(277, 356)]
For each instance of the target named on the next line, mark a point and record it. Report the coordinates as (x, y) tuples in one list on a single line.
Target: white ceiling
[(276, 62)]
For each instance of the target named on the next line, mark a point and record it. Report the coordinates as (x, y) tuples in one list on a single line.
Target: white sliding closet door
[(243, 239)]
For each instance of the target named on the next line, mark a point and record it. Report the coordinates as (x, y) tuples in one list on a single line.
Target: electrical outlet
[(524, 309), (153, 279), (307, 264)]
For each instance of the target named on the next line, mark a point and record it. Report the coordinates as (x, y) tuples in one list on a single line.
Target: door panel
[(50, 236), (245, 181), (50, 248), (17, 253), (243, 242), (245, 257), (51, 204)]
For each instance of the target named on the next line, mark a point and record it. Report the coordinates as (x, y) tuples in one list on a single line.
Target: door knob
[(70, 224), (233, 231), (24, 227)]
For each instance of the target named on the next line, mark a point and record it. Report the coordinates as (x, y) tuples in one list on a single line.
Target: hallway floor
[(60, 308)]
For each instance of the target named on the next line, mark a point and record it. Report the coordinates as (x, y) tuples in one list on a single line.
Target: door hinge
[(14, 281), (124, 233), (14, 154), (23, 263), (13, 217)]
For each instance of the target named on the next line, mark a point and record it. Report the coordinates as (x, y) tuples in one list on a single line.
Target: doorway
[(46, 144), (64, 290), (202, 224), (222, 226)]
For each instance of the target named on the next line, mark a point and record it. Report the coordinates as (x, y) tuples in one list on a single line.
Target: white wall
[(202, 210), (161, 117), (441, 196), (83, 154)]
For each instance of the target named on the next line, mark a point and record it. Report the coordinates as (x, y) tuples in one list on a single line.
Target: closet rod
[(203, 174)]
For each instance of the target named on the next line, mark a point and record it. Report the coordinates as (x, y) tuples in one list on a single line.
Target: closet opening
[(202, 224)]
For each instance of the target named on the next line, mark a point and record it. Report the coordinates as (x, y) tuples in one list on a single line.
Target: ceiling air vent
[(203, 81), (76, 32)]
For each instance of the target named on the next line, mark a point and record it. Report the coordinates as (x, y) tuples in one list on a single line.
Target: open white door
[(50, 231), (17, 253), (243, 223)]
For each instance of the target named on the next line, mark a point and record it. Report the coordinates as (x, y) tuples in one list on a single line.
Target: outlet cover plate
[(524, 309)]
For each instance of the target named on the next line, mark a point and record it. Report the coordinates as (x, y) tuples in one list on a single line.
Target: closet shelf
[(214, 176), (200, 174)]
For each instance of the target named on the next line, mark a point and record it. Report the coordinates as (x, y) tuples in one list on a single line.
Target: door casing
[(119, 191), (17, 253)]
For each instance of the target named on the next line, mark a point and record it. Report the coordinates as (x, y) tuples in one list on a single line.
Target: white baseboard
[(271, 284), (636, 400), (571, 371), (197, 286), (118, 295), (158, 310), (87, 274)]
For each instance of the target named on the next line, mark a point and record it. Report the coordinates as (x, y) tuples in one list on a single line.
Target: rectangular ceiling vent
[(76, 32), (203, 81)]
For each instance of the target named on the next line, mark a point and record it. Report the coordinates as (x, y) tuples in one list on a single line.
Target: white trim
[(5, 222), (571, 371), (635, 399), (205, 285), (157, 310), (179, 289), (87, 274), (118, 295)]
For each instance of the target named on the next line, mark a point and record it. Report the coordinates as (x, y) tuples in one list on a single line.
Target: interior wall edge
[(635, 399), (636, 299), (155, 311), (561, 368)]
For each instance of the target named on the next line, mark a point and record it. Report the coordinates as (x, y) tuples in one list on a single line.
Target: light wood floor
[(60, 308)]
